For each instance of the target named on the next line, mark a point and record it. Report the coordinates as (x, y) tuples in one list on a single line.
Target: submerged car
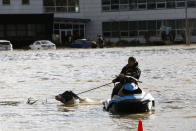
[(83, 43), (5, 45), (42, 45)]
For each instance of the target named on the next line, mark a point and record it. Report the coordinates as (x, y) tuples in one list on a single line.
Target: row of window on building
[(128, 29), (53, 5), (76, 30), (71, 6), (21, 30), (125, 5), (8, 2)]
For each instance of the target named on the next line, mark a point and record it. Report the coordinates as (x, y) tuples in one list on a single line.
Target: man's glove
[(121, 76), (114, 81)]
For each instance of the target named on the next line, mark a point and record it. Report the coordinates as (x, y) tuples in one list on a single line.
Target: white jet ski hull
[(136, 103)]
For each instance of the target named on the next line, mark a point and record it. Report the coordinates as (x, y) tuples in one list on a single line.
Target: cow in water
[(70, 98)]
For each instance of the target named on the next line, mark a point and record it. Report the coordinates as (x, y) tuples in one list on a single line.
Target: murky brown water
[(169, 73)]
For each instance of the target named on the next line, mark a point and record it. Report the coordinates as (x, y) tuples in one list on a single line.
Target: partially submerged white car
[(5, 45), (43, 45)]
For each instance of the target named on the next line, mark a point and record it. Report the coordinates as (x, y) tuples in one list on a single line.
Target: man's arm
[(117, 79), (123, 71), (135, 74)]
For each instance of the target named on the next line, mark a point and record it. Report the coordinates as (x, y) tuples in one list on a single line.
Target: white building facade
[(133, 20)]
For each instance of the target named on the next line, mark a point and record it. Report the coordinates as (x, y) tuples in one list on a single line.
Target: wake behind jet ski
[(126, 96)]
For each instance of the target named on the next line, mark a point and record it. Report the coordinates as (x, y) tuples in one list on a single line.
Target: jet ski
[(133, 103)]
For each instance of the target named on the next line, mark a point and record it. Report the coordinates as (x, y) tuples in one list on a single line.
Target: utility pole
[(187, 28)]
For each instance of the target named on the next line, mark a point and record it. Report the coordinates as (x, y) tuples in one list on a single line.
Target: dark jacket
[(129, 71)]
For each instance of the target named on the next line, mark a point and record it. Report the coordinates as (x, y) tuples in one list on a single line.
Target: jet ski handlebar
[(133, 78)]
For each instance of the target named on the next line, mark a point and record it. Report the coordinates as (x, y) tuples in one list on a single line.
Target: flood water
[(169, 73)]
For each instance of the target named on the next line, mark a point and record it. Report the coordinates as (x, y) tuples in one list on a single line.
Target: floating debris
[(31, 101)]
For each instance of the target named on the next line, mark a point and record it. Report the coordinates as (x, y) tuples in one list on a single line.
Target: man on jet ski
[(129, 74)]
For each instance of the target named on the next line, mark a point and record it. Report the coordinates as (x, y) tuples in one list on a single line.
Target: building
[(132, 20)]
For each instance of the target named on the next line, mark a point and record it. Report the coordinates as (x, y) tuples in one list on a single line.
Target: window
[(170, 3), (124, 34), (106, 5), (107, 34), (107, 26), (106, 8), (31, 30), (115, 29), (124, 26), (191, 3), (133, 25), (61, 3), (141, 4), (21, 30), (77, 30), (106, 2), (180, 3), (180, 24), (73, 5), (40, 29), (193, 33), (129, 29), (49, 5), (11, 30), (132, 4), (115, 26), (1, 30), (151, 32), (56, 26), (124, 29), (171, 23), (37, 43), (61, 6), (68, 26), (61, 9), (159, 24), (128, 5), (151, 25), (48, 2), (76, 27), (115, 34), (6, 2), (124, 1), (133, 33), (161, 3), (124, 4), (142, 33), (82, 34), (56, 32), (151, 4), (25, 2), (142, 25), (82, 26), (114, 5)]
